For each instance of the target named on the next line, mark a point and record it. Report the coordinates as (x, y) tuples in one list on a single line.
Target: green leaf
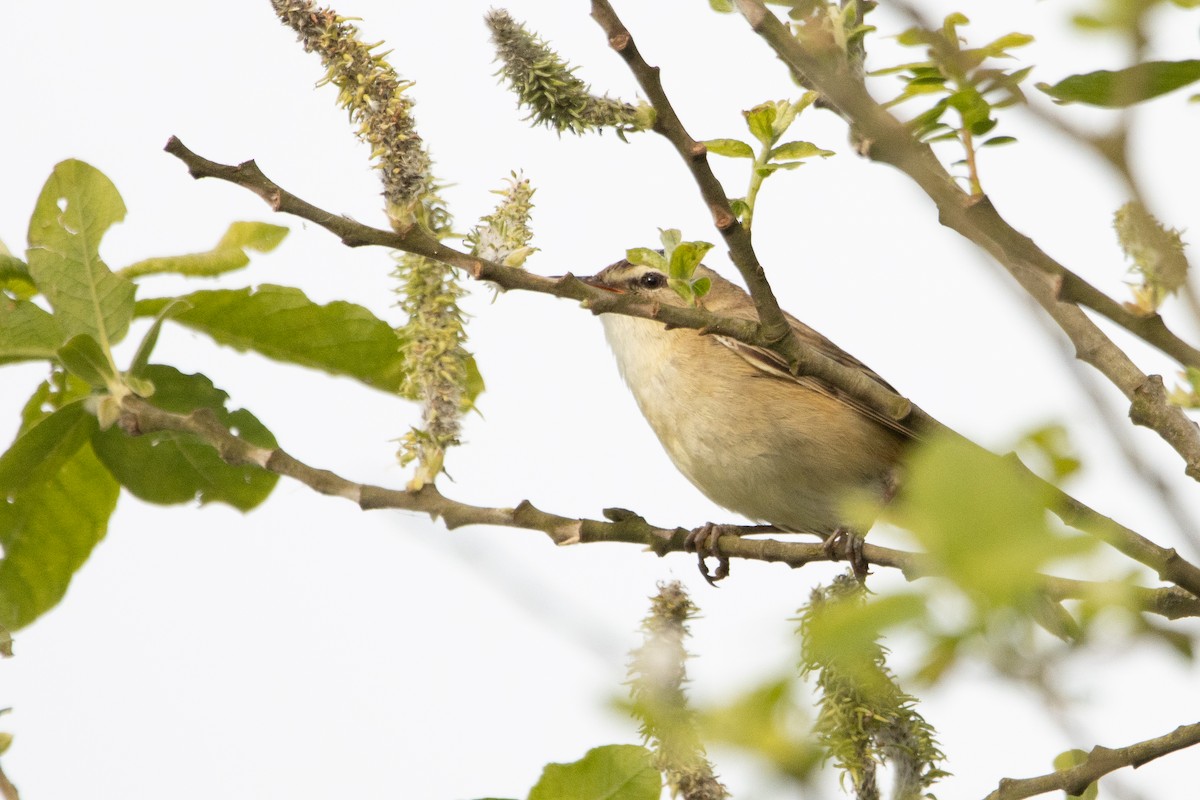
[(26, 331), (14, 275), (48, 531), (281, 323), (1009, 41), (982, 522), (700, 286), (998, 140), (83, 358), (761, 121), (1125, 87), (613, 772), (170, 467), (40, 452), (473, 386), (76, 206), (790, 151), (670, 238), (726, 6), (229, 253), (686, 257), (732, 148), (142, 357), (645, 257)]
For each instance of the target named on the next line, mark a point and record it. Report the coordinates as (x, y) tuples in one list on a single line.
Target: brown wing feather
[(771, 363)]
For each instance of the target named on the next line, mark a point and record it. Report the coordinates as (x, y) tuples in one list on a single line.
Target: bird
[(786, 450)]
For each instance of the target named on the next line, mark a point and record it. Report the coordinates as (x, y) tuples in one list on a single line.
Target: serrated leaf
[(40, 452), (76, 206), (169, 467), (613, 772), (731, 148), (84, 359), (1124, 87), (645, 257), (790, 151), (228, 255), (280, 322), (26, 331), (48, 531)]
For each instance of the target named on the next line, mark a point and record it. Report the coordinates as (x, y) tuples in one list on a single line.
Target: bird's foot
[(703, 541), (847, 545)]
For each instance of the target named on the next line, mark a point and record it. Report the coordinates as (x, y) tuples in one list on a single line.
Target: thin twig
[(695, 155), (1099, 762), (7, 790), (414, 240)]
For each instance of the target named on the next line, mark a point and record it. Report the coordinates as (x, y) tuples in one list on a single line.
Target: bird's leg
[(703, 541), (845, 544)]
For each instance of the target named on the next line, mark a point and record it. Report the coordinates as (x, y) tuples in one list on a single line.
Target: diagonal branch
[(1059, 291), (413, 239), (1099, 762), (667, 123), (1166, 563), (139, 417)]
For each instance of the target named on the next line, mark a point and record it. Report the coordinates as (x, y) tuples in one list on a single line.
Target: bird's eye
[(651, 280)]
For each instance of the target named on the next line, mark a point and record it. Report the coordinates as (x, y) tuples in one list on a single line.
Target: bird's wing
[(771, 363)]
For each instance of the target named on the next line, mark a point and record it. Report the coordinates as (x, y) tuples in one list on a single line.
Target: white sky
[(310, 650)]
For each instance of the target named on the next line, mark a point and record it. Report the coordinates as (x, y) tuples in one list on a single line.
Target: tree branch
[(1100, 761), (1166, 563), (1058, 290), (414, 240), (776, 329), (140, 417)]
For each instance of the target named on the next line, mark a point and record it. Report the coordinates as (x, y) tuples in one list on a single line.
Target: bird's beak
[(592, 280)]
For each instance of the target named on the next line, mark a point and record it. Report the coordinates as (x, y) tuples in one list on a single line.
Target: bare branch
[(1166, 563), (1058, 290), (413, 239), (140, 417), (1100, 761), (776, 330)]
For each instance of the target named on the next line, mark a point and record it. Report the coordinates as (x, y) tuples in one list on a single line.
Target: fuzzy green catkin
[(433, 337), (865, 718), (547, 86), (373, 93), (657, 674), (433, 349), (503, 236), (1156, 252)]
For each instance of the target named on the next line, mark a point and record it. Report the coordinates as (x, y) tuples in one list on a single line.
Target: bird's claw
[(703, 541), (847, 545)]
